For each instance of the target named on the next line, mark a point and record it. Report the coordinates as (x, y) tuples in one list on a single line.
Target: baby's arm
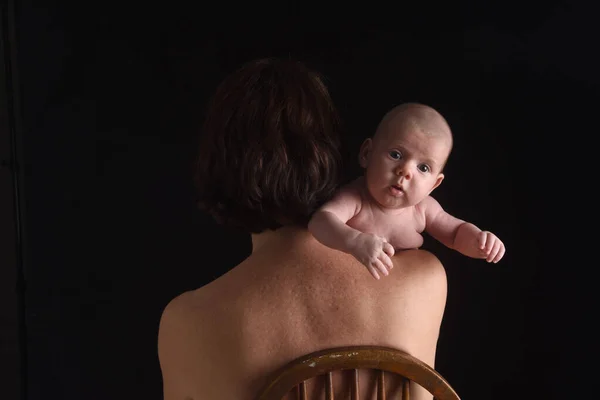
[(459, 235), (328, 226)]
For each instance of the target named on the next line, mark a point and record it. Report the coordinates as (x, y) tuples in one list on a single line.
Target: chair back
[(293, 376)]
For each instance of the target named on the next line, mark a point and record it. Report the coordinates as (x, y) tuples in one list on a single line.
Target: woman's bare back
[(293, 296)]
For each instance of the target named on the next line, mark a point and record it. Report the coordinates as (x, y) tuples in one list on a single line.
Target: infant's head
[(405, 158)]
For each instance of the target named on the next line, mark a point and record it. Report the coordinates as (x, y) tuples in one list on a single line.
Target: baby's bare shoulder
[(347, 200), (354, 187), (427, 206)]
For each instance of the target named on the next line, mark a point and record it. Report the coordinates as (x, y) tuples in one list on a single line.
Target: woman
[(268, 158)]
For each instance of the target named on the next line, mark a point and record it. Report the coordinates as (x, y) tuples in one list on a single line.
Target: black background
[(112, 95)]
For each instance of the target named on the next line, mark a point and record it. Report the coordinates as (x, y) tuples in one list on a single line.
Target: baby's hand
[(374, 252), (490, 247)]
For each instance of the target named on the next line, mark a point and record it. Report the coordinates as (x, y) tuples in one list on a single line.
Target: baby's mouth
[(396, 190)]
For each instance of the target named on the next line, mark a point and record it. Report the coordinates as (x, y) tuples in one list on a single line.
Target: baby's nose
[(404, 170)]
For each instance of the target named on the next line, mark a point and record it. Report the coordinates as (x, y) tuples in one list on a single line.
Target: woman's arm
[(174, 334)]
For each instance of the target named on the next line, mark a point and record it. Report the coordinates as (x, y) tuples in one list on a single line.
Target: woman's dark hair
[(269, 151)]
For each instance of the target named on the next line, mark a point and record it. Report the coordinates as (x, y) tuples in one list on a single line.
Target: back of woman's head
[(269, 150)]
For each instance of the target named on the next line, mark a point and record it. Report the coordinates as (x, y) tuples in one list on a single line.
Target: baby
[(387, 208)]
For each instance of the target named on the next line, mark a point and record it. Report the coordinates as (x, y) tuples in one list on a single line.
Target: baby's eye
[(396, 155), (424, 168)]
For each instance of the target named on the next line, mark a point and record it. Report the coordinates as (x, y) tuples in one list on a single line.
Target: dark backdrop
[(111, 99)]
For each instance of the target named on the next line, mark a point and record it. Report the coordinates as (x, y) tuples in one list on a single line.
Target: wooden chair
[(323, 363)]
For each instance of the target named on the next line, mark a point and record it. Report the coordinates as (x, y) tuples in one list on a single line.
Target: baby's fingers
[(491, 243), (491, 253), (500, 254), (482, 239), (389, 250), (373, 271), (381, 267), (386, 261)]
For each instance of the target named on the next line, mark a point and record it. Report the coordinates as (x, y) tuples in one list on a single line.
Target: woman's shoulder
[(173, 329), (182, 306), (183, 312), (181, 325), (176, 312)]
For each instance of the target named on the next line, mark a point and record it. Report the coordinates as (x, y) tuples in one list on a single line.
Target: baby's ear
[(438, 182), (363, 154)]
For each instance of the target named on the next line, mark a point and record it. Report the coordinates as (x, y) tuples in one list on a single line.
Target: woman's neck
[(271, 236)]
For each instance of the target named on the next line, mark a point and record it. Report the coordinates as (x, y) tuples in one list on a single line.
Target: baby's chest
[(401, 231)]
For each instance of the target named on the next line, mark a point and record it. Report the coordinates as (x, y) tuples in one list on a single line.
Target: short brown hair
[(269, 151)]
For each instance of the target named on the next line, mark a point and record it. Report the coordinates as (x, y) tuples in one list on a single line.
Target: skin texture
[(388, 208), (290, 297)]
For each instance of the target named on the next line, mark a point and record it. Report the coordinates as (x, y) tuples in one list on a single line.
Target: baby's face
[(403, 164)]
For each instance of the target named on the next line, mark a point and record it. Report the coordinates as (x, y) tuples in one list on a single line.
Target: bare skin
[(388, 208), (290, 297)]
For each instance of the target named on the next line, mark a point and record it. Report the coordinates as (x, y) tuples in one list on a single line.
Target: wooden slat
[(355, 386), (301, 391), (405, 389), (357, 358), (380, 385), (329, 387)]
